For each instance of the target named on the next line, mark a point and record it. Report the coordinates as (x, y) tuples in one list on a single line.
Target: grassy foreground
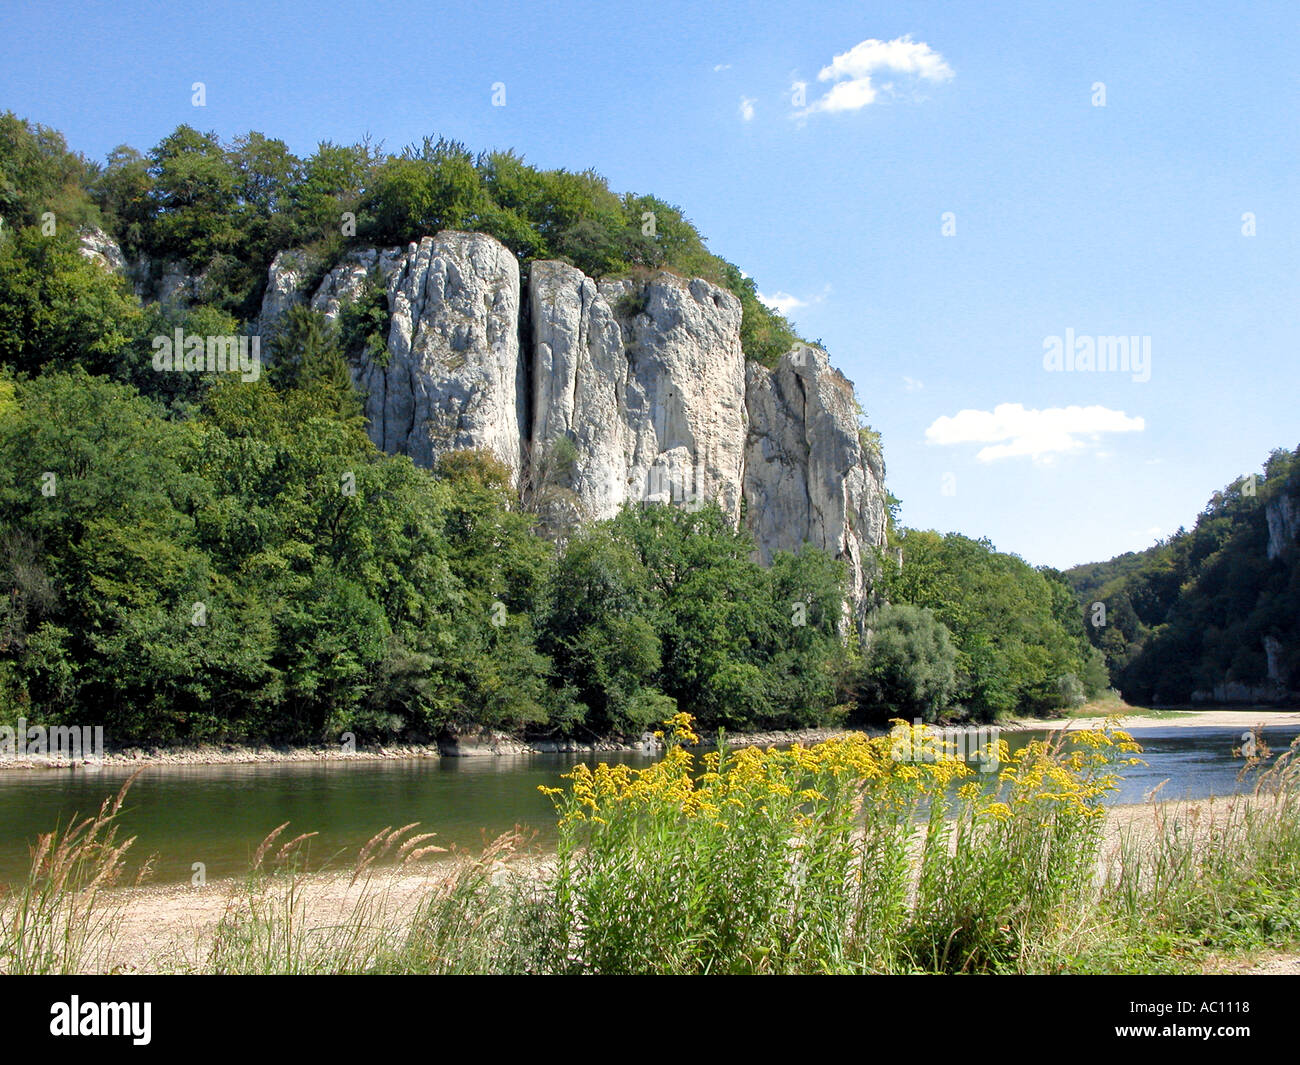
[(859, 854)]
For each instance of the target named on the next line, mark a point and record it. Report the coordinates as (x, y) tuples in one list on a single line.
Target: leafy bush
[(911, 664)]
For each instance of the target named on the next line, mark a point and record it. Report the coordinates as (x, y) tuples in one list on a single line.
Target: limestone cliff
[(641, 384), (1283, 517), (809, 478), (646, 379)]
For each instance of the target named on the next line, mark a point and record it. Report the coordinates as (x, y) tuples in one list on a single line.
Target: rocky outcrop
[(809, 477), (345, 282), (165, 281), (646, 380), (451, 377), (579, 391), (286, 279), (1283, 516), (1273, 656), (100, 248), (599, 393)]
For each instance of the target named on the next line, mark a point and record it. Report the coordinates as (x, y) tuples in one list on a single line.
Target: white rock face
[(166, 281), (346, 280), (177, 286), (284, 283), (1283, 517), (808, 478), (579, 386), (1273, 656), (646, 378), (100, 248), (453, 377)]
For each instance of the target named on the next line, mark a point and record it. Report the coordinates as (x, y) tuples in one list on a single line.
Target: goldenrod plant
[(822, 858)]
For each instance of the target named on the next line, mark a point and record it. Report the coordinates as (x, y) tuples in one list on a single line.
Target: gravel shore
[(499, 745)]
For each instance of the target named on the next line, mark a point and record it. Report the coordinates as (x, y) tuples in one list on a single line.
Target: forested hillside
[(194, 556), (1210, 614), (977, 632)]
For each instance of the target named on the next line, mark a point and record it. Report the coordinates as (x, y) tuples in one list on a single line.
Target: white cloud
[(902, 54), (911, 384), (783, 302), (721, 66), (852, 72), (1009, 430), (747, 108), (847, 96)]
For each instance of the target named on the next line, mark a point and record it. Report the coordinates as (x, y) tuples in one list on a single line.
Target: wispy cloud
[(1010, 430), (747, 108), (721, 66), (851, 72), (911, 384), (784, 303)]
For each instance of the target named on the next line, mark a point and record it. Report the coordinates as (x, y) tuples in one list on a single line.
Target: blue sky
[(1124, 219)]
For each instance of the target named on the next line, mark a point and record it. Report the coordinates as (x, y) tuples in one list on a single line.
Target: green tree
[(308, 357), (910, 669), (124, 193), (57, 308), (1015, 632), (195, 190), (599, 630), (38, 175)]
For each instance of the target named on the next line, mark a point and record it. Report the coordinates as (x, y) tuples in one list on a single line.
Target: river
[(217, 815)]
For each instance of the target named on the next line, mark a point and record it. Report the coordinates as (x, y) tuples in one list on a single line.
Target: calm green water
[(218, 814)]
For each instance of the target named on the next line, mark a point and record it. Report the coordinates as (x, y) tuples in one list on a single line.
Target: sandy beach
[(1218, 718)]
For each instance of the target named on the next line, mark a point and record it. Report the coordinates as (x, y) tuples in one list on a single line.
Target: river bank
[(488, 744), (1136, 719)]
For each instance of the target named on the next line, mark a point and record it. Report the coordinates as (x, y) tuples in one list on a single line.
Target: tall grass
[(1220, 876), (61, 918)]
